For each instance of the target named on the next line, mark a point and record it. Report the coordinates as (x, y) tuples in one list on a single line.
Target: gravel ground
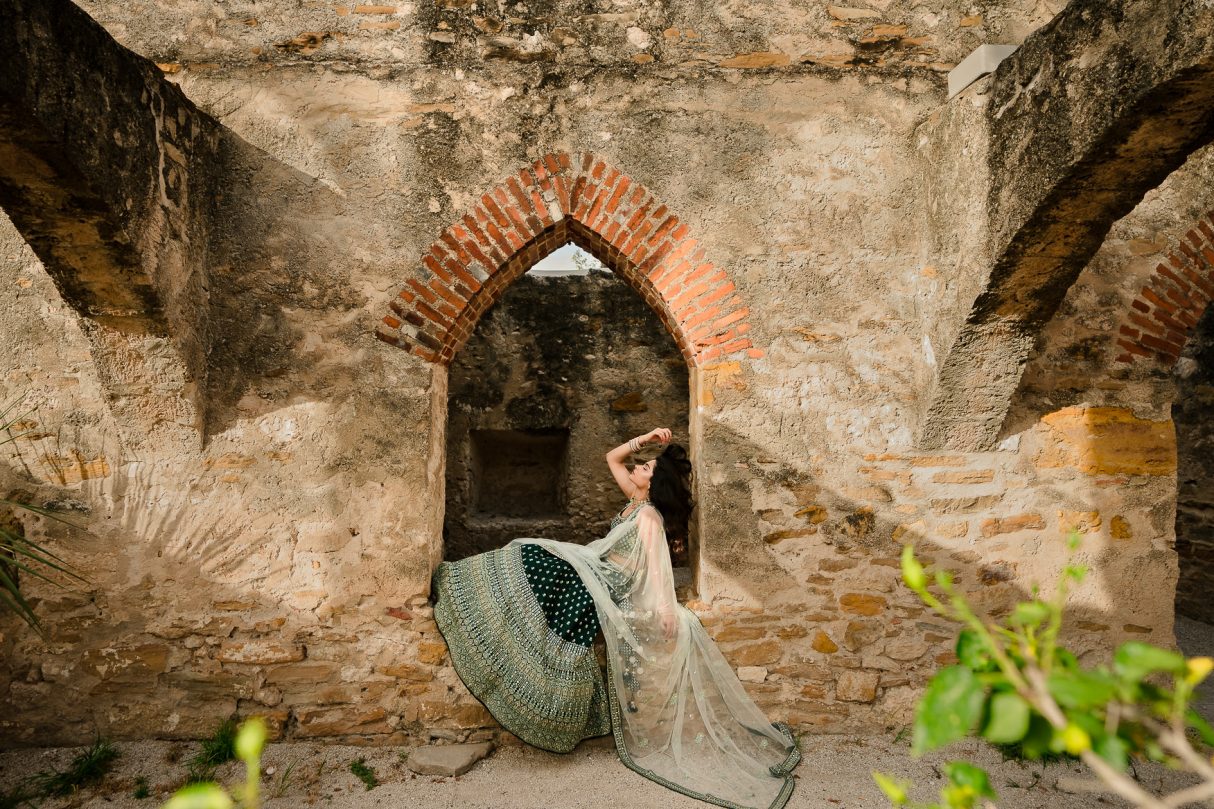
[(836, 773)]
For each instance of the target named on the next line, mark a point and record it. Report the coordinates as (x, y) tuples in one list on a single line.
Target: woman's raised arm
[(617, 456)]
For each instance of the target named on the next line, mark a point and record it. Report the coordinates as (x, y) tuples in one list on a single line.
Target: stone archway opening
[(557, 200), (565, 365)]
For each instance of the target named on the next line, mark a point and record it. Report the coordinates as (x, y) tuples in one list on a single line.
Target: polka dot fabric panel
[(568, 607)]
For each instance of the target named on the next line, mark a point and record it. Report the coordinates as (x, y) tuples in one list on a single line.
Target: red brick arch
[(1162, 316), (558, 199)]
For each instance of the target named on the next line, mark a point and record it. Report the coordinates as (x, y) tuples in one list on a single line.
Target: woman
[(520, 622)]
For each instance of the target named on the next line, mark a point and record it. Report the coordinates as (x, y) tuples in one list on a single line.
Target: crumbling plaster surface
[(894, 34), (1091, 113), (282, 566), (1074, 360)]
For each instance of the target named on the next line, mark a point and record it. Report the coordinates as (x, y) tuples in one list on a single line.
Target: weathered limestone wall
[(282, 565), (582, 354)]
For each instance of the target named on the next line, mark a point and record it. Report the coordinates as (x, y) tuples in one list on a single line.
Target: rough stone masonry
[(244, 242)]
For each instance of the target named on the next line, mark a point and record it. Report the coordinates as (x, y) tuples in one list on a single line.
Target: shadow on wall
[(815, 550), (814, 556), (557, 372), (1194, 375), (284, 316)]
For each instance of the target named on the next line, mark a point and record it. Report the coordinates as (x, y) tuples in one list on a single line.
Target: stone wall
[(280, 563), (1195, 473), (581, 357)]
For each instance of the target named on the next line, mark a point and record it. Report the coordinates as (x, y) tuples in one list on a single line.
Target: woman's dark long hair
[(670, 493)]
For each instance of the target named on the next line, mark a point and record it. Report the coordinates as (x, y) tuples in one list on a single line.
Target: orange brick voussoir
[(1173, 300), (581, 197)]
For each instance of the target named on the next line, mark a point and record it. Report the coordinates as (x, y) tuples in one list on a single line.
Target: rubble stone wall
[(280, 565)]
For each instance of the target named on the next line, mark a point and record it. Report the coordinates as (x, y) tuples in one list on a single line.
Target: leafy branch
[(1016, 685)]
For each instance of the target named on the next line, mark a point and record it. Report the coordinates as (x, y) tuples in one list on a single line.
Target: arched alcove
[(578, 199), (562, 368)]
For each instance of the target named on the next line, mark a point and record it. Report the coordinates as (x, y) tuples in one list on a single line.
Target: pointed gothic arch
[(562, 198)]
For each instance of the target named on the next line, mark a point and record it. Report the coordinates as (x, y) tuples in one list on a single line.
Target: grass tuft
[(141, 789), (86, 768), (221, 747), (365, 774), (284, 781)]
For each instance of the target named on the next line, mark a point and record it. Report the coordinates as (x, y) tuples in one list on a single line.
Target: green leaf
[(1135, 660), (964, 774), (1030, 613), (1199, 724), (1036, 742), (1081, 689), (1008, 718), (199, 796), (955, 797), (894, 788), (1155, 751), (912, 571), (1075, 573), (1113, 749), (974, 652), (1065, 659), (250, 740), (950, 708)]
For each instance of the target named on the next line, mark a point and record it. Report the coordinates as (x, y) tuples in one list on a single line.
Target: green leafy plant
[(364, 773), (88, 767), (19, 555), (141, 789), (250, 740), (1015, 685)]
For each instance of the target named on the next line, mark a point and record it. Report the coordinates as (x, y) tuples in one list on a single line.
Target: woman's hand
[(659, 434), (670, 624)]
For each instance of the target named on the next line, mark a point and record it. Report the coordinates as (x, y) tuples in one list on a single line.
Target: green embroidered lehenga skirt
[(520, 626)]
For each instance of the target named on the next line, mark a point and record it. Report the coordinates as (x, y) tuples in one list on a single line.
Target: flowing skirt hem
[(780, 770), (518, 730)]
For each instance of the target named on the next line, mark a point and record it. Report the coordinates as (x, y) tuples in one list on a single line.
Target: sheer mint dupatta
[(679, 714)]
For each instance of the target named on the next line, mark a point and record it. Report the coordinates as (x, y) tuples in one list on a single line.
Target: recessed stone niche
[(519, 473)]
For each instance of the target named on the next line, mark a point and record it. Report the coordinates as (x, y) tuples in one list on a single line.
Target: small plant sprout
[(1017, 687), (284, 781), (19, 555)]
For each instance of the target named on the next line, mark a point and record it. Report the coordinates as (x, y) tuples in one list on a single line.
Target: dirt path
[(834, 775)]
